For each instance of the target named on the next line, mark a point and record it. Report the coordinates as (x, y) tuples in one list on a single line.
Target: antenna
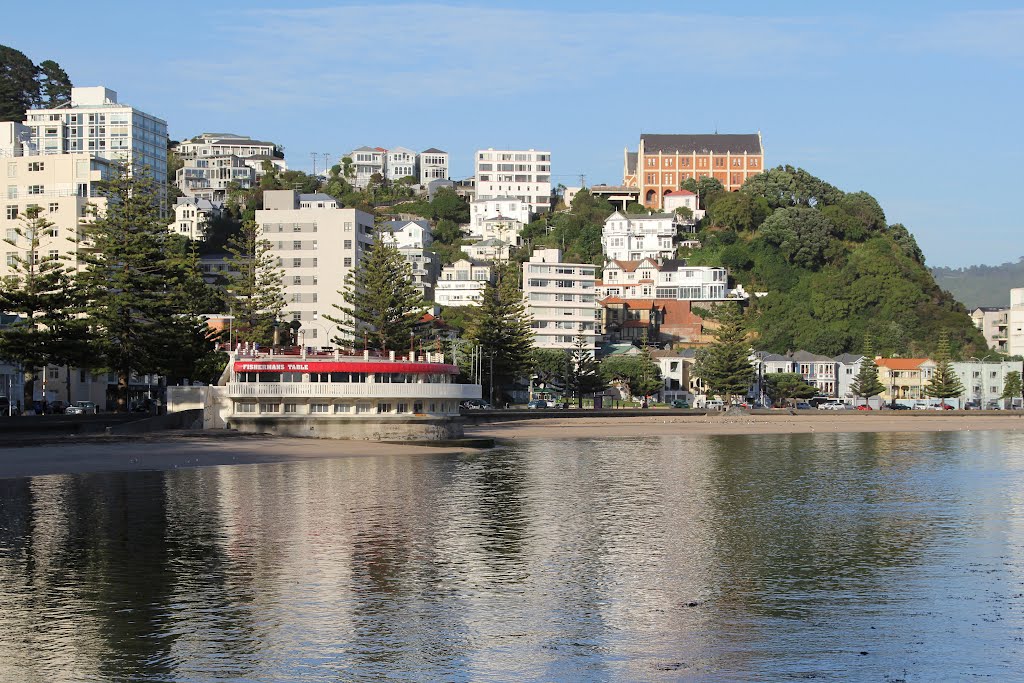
[(583, 180)]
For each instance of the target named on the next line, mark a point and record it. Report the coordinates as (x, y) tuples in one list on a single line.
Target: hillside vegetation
[(981, 285), (835, 271)]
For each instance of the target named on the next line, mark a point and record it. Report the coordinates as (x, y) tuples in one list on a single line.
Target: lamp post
[(980, 389)]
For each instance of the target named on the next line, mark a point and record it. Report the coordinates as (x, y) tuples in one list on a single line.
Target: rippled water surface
[(879, 557)]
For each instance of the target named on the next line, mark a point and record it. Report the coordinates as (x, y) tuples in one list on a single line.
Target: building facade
[(634, 237), (401, 163), (211, 178), (192, 216), (367, 162), (994, 325), (560, 299), (433, 165), (208, 145), (664, 279), (316, 244), (1015, 323), (523, 174), (663, 162), (462, 283)]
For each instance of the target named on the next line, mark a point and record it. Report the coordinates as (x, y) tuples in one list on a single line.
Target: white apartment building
[(1015, 323), (210, 178), (983, 382), (433, 165), (366, 162), (525, 174), (560, 299), (192, 215), (651, 278), (209, 145), (492, 250), (994, 324), (401, 163), (510, 211), (316, 244), (634, 237), (64, 186), (462, 283), (95, 123), (407, 234)]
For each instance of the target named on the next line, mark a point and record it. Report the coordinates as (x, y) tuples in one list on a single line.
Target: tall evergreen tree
[(501, 327), (584, 373), (41, 292), (254, 291), (1012, 388), (131, 309), (724, 366), (944, 383), (54, 84), (19, 90), (866, 384), (381, 301)]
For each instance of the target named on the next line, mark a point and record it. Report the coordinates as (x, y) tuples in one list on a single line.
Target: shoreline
[(174, 450)]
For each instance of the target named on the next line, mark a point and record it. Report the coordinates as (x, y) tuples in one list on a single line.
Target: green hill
[(835, 271), (981, 285)]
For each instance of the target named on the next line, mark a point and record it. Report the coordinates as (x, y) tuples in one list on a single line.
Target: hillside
[(837, 274), (981, 285)]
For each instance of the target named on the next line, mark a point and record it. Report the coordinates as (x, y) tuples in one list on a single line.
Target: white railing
[(356, 390)]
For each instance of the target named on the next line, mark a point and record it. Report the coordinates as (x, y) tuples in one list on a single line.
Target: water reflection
[(733, 558)]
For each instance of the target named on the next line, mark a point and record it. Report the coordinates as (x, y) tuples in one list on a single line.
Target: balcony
[(356, 390)]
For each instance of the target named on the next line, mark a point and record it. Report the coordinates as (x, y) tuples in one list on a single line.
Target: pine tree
[(1012, 388), (41, 292), (501, 327), (724, 366), (54, 84), (584, 373), (255, 285), (944, 383), (131, 311), (866, 384), (381, 301)]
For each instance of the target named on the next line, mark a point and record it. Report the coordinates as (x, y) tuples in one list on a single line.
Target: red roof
[(901, 363), (679, 192), (612, 300)]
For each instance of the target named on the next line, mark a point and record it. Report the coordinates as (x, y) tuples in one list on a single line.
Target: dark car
[(680, 403), (899, 406), (537, 403), (475, 404), (803, 405)]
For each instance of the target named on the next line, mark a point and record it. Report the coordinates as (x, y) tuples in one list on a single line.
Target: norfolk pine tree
[(255, 285), (1012, 388), (724, 366), (584, 374), (944, 383), (131, 310), (501, 327), (381, 301), (866, 384), (42, 293)]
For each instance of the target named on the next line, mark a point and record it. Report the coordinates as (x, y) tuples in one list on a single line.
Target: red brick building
[(663, 162)]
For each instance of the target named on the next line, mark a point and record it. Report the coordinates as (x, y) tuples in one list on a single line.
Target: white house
[(493, 250), (192, 215), (497, 210), (635, 237), (407, 234), (401, 163), (366, 162), (522, 173), (652, 278), (433, 165), (676, 199), (462, 283)]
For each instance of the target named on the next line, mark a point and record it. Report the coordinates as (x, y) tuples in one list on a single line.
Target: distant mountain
[(981, 285)]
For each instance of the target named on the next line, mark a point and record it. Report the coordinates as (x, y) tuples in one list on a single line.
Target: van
[(715, 405)]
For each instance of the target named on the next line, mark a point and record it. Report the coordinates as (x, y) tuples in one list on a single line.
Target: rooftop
[(744, 143)]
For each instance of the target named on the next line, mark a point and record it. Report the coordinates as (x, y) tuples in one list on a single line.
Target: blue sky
[(918, 103)]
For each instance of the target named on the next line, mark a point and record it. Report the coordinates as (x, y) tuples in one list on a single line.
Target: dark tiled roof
[(747, 143), (631, 162), (316, 197), (433, 150)]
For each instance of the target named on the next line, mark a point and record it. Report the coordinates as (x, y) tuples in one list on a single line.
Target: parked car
[(943, 406), (680, 403), (56, 407), (864, 406), (537, 403), (803, 405), (715, 405), (832, 405), (475, 404), (82, 408), (898, 406)]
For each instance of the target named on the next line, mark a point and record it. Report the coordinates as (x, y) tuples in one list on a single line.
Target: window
[(342, 408), (36, 189), (53, 207), (348, 227), (12, 212), (296, 279), (362, 408), (348, 244), (296, 263), (297, 244), (403, 408), (270, 407), (36, 166), (291, 376), (319, 408), (245, 407), (291, 407), (383, 407)]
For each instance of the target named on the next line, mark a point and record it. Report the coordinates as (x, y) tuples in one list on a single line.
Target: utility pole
[(583, 180), (313, 154), (326, 156)]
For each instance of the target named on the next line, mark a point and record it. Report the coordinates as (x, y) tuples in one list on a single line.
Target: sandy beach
[(173, 450)]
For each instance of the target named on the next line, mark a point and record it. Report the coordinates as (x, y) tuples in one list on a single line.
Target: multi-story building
[(560, 299), (492, 250), (192, 216), (210, 178), (433, 165), (651, 321), (401, 163), (904, 378), (96, 124), (367, 162), (210, 145), (663, 162), (404, 234), (412, 238), (524, 174), (317, 244), (664, 279), (634, 237), (510, 210), (983, 382), (1015, 323), (994, 324), (462, 283)]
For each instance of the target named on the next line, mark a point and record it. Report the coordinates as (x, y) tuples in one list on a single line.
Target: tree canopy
[(24, 85)]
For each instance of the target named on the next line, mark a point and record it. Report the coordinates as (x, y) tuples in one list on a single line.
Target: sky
[(917, 103)]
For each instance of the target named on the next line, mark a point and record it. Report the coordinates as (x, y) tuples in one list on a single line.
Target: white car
[(82, 408), (832, 405)]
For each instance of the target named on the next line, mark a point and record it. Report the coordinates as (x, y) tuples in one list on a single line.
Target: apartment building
[(994, 324), (192, 216), (317, 244), (509, 214), (1015, 323), (367, 162), (663, 162), (560, 299), (652, 320), (462, 283), (403, 234), (209, 145), (401, 163), (524, 174), (651, 278), (433, 165), (983, 381), (412, 238), (96, 124), (211, 178), (635, 237)]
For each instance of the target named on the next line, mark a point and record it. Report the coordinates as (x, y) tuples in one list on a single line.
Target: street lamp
[(980, 389)]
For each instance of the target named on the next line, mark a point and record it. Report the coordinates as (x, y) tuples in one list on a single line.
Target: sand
[(167, 451)]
